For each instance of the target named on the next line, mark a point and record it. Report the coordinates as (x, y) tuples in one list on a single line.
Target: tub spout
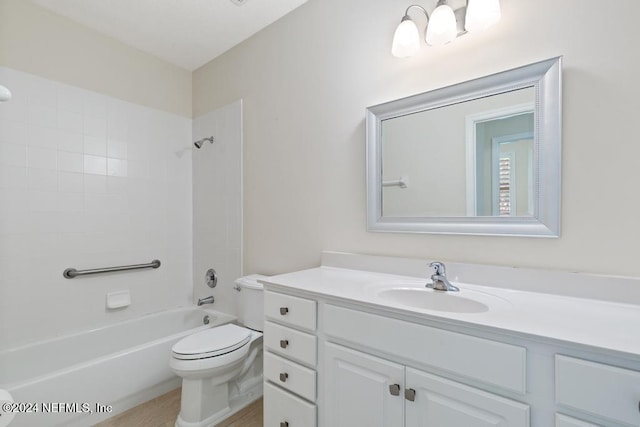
[(206, 300)]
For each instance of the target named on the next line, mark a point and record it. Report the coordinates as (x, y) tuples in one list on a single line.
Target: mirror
[(479, 157)]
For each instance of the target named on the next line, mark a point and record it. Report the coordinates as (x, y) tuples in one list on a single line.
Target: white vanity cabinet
[(397, 394), (364, 390), (361, 390), (290, 360), (432, 401), (350, 363), (597, 389)]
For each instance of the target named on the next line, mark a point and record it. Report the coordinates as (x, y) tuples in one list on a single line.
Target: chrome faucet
[(439, 278), (206, 300)]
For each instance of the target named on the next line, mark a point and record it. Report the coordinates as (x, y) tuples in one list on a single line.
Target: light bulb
[(406, 40), (482, 14), (442, 26)]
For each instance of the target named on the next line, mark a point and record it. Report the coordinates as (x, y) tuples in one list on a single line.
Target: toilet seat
[(211, 342)]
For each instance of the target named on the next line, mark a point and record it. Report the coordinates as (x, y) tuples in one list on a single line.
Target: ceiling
[(187, 33)]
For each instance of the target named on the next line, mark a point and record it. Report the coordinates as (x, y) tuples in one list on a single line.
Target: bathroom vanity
[(355, 343)]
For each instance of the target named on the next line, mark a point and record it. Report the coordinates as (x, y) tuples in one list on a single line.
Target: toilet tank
[(250, 301)]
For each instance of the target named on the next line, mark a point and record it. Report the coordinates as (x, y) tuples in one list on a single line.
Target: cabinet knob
[(410, 394), (284, 424), (394, 389), (284, 376), (284, 310), (284, 343)]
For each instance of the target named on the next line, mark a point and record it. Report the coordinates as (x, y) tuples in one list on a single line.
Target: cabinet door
[(439, 402), (357, 391)]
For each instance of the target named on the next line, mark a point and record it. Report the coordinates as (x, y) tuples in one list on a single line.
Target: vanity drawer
[(290, 375), (284, 409), (564, 421), (491, 362), (290, 343), (598, 389), (292, 310)]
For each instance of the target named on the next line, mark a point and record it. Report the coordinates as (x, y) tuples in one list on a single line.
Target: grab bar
[(70, 273), (403, 182)]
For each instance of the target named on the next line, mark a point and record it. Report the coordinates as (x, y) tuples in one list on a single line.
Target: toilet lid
[(211, 342)]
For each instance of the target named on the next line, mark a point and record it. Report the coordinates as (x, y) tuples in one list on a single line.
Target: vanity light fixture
[(5, 94), (444, 24)]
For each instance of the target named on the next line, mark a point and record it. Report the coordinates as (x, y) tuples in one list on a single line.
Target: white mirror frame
[(546, 79)]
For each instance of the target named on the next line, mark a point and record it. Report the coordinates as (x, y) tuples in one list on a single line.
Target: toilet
[(221, 367)]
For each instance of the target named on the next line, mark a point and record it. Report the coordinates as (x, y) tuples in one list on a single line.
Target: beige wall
[(307, 79), (39, 42)]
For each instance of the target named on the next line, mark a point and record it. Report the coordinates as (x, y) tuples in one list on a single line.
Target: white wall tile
[(16, 110), (95, 184), (15, 223), (96, 146), (95, 165), (95, 105), (59, 207), (116, 148), (13, 177), (42, 179), (43, 201), (117, 185), (13, 155), (13, 132), (95, 126), (13, 200), (69, 182), (217, 200), (70, 121), (41, 158), (116, 167), (70, 162), (70, 202), (42, 136), (42, 115), (70, 141)]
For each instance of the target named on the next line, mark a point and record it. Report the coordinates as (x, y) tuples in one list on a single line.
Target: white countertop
[(602, 324)]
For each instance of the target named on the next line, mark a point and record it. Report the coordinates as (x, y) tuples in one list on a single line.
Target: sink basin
[(428, 299)]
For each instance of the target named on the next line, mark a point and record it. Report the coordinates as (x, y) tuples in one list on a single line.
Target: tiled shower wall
[(88, 181), (217, 202)]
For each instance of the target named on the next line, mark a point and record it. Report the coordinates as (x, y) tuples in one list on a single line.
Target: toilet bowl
[(212, 361)]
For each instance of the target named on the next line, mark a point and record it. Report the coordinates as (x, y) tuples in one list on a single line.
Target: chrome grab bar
[(70, 273)]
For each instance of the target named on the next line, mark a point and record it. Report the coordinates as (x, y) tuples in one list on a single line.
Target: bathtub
[(120, 365)]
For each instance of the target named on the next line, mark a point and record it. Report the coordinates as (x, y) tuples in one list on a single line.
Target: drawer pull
[(284, 310), (410, 394), (283, 377), (284, 424), (284, 343), (394, 389)]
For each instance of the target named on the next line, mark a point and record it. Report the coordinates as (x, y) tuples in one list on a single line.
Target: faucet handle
[(438, 268)]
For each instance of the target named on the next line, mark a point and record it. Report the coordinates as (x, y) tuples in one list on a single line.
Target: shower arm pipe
[(70, 273), (199, 142)]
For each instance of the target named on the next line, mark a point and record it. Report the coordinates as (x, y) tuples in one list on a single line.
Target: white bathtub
[(120, 365)]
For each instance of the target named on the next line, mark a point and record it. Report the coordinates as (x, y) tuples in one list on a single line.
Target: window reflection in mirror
[(473, 158)]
